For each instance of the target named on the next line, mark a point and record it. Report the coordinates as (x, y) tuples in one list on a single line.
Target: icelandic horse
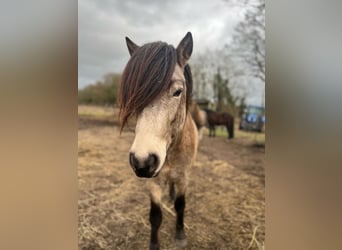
[(156, 88)]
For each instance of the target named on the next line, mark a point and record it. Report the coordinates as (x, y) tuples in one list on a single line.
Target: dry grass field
[(225, 201)]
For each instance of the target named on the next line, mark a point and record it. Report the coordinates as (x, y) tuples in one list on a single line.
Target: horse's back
[(227, 117)]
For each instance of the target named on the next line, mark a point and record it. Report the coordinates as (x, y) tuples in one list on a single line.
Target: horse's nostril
[(152, 160), (144, 167), (133, 160)]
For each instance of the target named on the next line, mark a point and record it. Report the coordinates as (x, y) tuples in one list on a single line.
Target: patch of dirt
[(242, 153), (225, 206)]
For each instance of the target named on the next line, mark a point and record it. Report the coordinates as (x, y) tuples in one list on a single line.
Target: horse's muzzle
[(144, 167)]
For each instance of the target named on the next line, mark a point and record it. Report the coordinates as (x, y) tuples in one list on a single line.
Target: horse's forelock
[(147, 74)]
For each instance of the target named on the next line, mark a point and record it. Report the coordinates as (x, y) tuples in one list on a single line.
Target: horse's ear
[(131, 46), (184, 49)]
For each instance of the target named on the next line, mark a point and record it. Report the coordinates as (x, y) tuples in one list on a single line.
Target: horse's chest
[(170, 174)]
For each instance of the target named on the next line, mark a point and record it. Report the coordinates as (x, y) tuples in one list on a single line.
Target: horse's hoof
[(181, 239), (181, 243), (154, 246)]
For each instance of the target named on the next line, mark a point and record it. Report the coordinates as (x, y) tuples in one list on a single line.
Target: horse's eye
[(177, 92)]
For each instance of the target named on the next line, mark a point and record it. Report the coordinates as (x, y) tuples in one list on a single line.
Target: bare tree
[(204, 68), (249, 40)]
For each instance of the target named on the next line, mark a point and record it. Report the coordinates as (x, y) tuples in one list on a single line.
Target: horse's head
[(155, 86)]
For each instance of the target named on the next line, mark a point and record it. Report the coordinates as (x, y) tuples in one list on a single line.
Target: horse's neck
[(185, 136), (183, 150)]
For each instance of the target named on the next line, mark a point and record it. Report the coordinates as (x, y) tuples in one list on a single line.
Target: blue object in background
[(263, 119), (252, 118)]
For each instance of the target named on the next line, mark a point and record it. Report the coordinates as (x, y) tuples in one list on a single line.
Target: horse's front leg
[(180, 207), (155, 215)]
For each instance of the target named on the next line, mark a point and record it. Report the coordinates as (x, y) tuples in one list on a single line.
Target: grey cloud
[(104, 24)]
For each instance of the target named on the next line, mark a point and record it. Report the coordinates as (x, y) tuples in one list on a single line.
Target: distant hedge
[(101, 93)]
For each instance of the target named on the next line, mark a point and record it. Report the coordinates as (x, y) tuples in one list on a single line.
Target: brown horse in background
[(220, 118)]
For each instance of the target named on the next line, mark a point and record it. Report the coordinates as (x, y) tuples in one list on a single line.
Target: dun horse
[(224, 118), (156, 88)]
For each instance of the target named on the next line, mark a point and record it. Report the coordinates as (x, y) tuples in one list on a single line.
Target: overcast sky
[(103, 25)]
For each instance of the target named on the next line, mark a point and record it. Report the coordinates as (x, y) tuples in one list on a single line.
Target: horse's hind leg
[(211, 131), (230, 130), (180, 207), (155, 216), (172, 191)]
